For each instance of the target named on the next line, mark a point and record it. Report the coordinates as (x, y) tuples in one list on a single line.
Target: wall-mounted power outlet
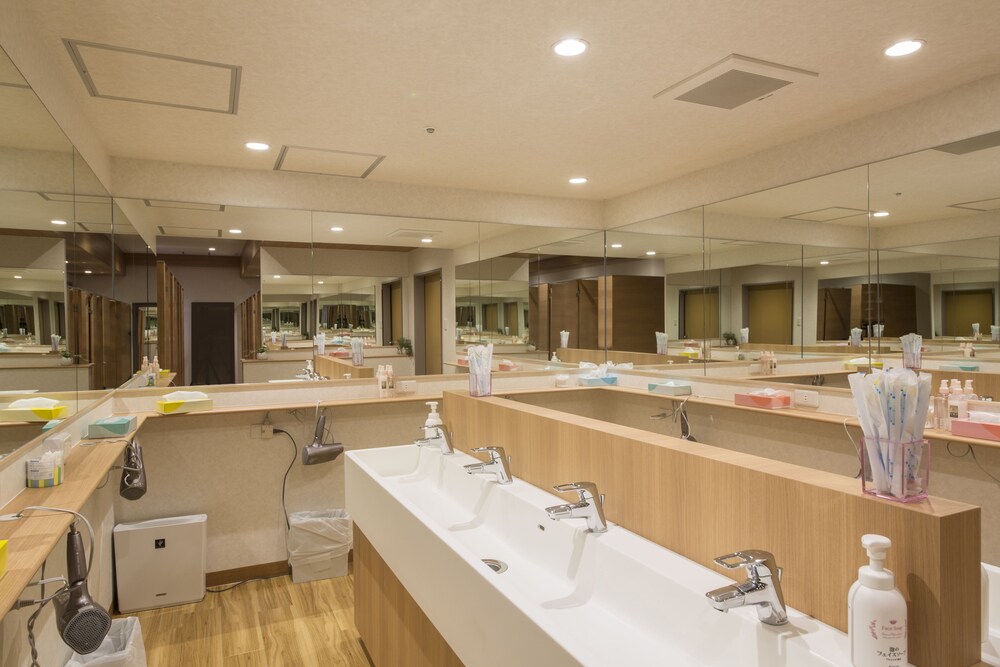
[(806, 399)]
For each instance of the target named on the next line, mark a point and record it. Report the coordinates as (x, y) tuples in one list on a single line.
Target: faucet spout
[(499, 464), (589, 507), (762, 589)]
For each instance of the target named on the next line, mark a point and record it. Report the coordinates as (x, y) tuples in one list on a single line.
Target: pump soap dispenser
[(876, 611), (433, 421)]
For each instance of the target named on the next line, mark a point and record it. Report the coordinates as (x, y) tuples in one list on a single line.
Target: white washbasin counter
[(568, 597)]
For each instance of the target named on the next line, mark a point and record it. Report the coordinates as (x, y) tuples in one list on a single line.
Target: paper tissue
[(744, 335), (480, 370), (769, 399), (55, 342), (320, 340), (180, 402), (856, 337), (33, 410), (600, 375), (563, 339), (975, 330)]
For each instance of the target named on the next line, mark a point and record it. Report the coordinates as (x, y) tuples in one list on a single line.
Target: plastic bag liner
[(122, 647), (318, 535)]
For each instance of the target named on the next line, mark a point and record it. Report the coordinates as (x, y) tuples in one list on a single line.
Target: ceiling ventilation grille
[(159, 203), (828, 214), (411, 234), (734, 81), (196, 232)]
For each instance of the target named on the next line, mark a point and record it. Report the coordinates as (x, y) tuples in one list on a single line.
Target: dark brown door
[(213, 343)]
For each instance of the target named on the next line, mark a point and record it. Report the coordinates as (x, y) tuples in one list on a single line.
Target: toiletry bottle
[(433, 419), (970, 393), (876, 611), (391, 372)]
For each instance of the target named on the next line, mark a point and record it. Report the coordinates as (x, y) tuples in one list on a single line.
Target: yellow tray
[(181, 407), (33, 414)]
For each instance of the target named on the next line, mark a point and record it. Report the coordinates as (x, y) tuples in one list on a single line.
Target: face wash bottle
[(876, 612)]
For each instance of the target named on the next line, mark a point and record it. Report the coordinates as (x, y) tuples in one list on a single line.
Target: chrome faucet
[(762, 587), (589, 507), (442, 439), (499, 464)]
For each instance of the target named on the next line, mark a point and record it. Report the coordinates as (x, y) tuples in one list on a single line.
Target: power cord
[(970, 450), (857, 450), (284, 481)]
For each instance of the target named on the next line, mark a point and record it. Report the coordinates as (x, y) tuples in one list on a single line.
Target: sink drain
[(497, 566)]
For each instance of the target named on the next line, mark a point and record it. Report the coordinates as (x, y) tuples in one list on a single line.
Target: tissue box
[(853, 364), (181, 407), (670, 388), (33, 414), (111, 427), (766, 402), (968, 368), (51, 424), (506, 366), (979, 430), (608, 381)]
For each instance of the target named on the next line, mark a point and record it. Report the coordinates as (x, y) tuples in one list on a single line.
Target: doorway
[(430, 285), (213, 343), (769, 313), (962, 308)]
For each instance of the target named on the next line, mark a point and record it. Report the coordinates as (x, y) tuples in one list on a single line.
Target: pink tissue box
[(766, 402), (971, 429)]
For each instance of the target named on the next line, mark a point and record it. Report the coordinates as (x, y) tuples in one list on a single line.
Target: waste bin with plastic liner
[(122, 647), (318, 544)]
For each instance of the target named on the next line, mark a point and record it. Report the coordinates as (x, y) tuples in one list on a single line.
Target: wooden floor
[(266, 623)]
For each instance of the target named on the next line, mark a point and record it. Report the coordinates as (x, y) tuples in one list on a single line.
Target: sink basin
[(567, 597)]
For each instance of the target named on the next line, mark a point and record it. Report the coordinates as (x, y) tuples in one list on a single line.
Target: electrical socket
[(266, 431), (806, 399)]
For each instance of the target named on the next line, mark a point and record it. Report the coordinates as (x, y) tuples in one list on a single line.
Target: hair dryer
[(317, 452), (82, 623), (133, 484)]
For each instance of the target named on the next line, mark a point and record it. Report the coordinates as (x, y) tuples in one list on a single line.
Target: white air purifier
[(160, 563)]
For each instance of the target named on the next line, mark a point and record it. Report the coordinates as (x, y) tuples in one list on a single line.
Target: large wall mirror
[(50, 202)]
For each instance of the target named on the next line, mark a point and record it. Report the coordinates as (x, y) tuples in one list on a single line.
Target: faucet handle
[(496, 453), (752, 560), (587, 490)]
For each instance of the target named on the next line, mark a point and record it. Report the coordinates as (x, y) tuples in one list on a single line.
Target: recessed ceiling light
[(650, 252), (277, 277), (88, 271), (58, 222), (211, 249), (616, 245), (570, 47), (319, 282), (880, 214), (427, 240), (17, 277), (904, 48), (256, 146), (824, 262), (235, 231), (336, 229), (579, 180)]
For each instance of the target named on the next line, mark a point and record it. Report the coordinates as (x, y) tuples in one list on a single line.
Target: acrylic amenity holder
[(480, 384), (900, 472)]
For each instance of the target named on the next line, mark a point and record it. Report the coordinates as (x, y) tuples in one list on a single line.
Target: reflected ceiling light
[(427, 240), (880, 214), (58, 222), (650, 252), (235, 231), (336, 229), (570, 47), (277, 277), (904, 48), (17, 277), (256, 146), (319, 282), (824, 262), (578, 180), (211, 249), (88, 271), (616, 245)]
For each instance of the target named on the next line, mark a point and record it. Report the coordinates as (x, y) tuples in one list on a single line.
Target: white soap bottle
[(876, 612), (433, 420)]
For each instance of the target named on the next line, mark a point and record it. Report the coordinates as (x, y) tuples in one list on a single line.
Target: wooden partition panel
[(251, 335), (702, 502), (170, 317), (336, 369), (633, 308), (99, 334)]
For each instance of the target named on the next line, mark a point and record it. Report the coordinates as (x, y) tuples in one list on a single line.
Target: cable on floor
[(232, 586)]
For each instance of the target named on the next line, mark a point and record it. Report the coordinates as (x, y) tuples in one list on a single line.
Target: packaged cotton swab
[(480, 369)]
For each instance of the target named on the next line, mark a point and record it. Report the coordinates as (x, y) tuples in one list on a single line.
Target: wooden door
[(510, 317), (396, 310), (769, 313), (213, 343), (701, 313), (834, 313), (964, 307), (432, 324)]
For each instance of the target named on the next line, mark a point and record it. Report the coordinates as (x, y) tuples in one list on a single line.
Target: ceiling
[(344, 84)]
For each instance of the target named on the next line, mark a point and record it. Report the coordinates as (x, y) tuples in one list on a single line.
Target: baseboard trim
[(260, 571), (237, 574)]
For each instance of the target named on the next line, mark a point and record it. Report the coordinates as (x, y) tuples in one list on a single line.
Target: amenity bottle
[(433, 421), (876, 612)]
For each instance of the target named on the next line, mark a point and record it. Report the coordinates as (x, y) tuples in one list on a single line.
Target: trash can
[(318, 544), (122, 647)]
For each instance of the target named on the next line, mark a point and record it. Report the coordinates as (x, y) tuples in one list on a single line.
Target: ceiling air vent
[(734, 81), (412, 234)]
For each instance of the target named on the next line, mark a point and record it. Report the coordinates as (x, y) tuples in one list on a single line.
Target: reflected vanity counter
[(44, 372)]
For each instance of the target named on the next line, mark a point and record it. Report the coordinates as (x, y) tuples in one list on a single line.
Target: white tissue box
[(979, 430), (670, 388)]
